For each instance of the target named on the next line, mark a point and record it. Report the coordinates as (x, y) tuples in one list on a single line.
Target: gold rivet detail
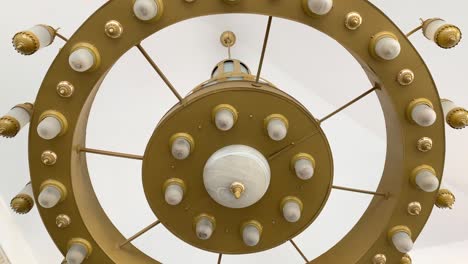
[(425, 144), (414, 208), (113, 29), (49, 158), (406, 259), (405, 77), (63, 221), (353, 20), (379, 259), (65, 89), (228, 39)]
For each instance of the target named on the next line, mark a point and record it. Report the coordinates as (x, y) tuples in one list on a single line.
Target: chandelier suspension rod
[(265, 44), (348, 104), (220, 258), (137, 235), (299, 250), (386, 195), (161, 74), (110, 153)]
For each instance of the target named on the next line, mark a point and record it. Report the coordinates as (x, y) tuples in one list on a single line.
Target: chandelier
[(237, 166)]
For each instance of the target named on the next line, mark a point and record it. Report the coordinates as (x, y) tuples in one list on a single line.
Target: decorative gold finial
[(445, 199), (9, 126), (414, 208), (458, 118), (406, 259), (405, 77), (353, 20), (26, 43), (49, 158), (113, 29), (228, 39), (237, 189), (425, 144), (62, 221), (379, 259), (65, 89), (22, 203), (448, 36)]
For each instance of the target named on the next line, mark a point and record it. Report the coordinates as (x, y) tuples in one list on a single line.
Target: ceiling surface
[(300, 60)]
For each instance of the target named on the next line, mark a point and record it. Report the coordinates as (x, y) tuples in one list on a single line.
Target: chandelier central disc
[(237, 176)]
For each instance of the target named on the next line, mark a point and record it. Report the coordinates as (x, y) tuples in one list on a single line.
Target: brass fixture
[(237, 189), (353, 20), (49, 158), (62, 221), (379, 259), (113, 29), (445, 199), (425, 144), (65, 89), (405, 77), (406, 259), (22, 203), (414, 208)]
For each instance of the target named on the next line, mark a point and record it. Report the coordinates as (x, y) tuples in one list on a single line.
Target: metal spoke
[(137, 235), (265, 44), (161, 74), (110, 153), (414, 31), (219, 258), (348, 104), (299, 250), (386, 195)]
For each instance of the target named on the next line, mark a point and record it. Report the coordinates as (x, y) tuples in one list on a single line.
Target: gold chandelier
[(237, 151)]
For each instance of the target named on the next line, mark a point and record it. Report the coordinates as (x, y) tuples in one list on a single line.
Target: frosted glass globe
[(204, 229), (424, 115), (49, 128), (181, 148), (43, 35), (320, 7), (427, 181), (277, 129), (387, 48), (251, 235), (76, 254), (402, 242), (81, 60), (21, 115), (174, 194), (304, 169), (49, 197), (224, 120), (292, 211), (145, 9)]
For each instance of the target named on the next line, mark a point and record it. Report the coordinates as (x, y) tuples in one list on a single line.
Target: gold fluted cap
[(22, 203), (448, 36), (445, 199), (379, 259), (406, 259), (458, 118), (26, 43), (9, 126)]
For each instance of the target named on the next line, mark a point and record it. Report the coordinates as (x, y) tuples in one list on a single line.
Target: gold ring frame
[(92, 224)]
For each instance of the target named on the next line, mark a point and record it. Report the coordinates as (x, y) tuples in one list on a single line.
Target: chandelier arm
[(299, 251), (110, 153), (60, 36), (386, 195), (160, 73), (143, 231), (265, 44), (292, 145), (220, 257), (348, 104), (414, 31)]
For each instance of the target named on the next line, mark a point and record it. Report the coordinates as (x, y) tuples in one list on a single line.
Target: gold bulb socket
[(113, 29), (457, 118), (228, 39), (406, 259), (185, 136), (417, 170), (413, 104), (22, 203), (94, 51), (49, 158), (448, 36), (228, 107), (276, 116), (208, 217), (398, 229), (353, 20), (294, 199), (81, 241), (58, 185), (379, 259), (174, 181), (425, 144), (9, 126), (405, 77), (63, 221), (26, 43), (65, 89), (237, 189), (59, 116), (160, 5), (445, 199), (253, 223), (414, 208), (375, 39)]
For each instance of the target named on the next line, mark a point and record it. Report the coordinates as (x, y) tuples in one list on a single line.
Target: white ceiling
[(300, 60)]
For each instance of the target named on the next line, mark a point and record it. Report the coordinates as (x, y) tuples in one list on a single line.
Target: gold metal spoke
[(299, 250), (220, 258), (60, 36), (143, 231), (161, 74), (110, 153), (414, 31), (386, 195), (349, 104), (265, 44)]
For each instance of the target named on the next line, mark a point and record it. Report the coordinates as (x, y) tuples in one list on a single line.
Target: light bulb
[(423, 115), (448, 106), (251, 235), (21, 115), (204, 228), (30, 41), (82, 59), (443, 34), (402, 242), (77, 253), (304, 169), (181, 148), (387, 48), (18, 117), (43, 34), (277, 129), (426, 180), (145, 9), (319, 7), (174, 194), (49, 128), (224, 119), (50, 196), (292, 211), (23, 202)]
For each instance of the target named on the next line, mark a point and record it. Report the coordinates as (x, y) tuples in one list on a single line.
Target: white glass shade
[(277, 129), (320, 7), (27, 190), (432, 28), (387, 48), (448, 106), (427, 181), (21, 115), (224, 120), (304, 169), (181, 148), (236, 163), (50, 196), (292, 211), (43, 35), (76, 254), (204, 228), (49, 128), (423, 115), (81, 60), (251, 235), (174, 194), (145, 9), (402, 242)]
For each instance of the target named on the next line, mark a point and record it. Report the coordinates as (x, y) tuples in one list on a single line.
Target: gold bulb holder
[(208, 217), (414, 208), (58, 185), (276, 116), (113, 29), (418, 169), (9, 126), (65, 89), (448, 36), (63, 221), (237, 189), (49, 158), (294, 199), (185, 136), (253, 223), (375, 39), (301, 156), (413, 104), (175, 181), (94, 51), (22, 203), (406, 259), (81, 241), (228, 107), (445, 199), (457, 118), (398, 229), (27, 43), (228, 39), (59, 116), (425, 144), (379, 259), (405, 77), (353, 20)]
